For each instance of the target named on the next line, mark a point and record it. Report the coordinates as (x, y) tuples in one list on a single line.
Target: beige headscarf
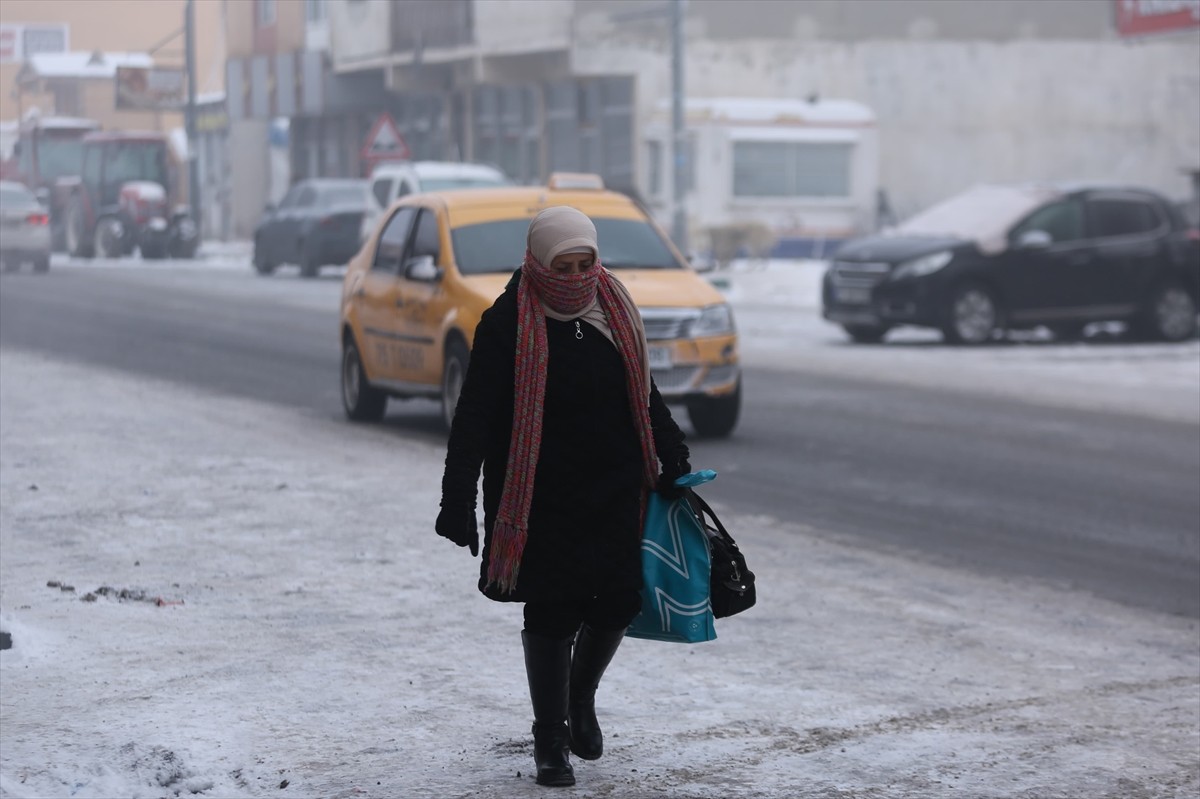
[(561, 229)]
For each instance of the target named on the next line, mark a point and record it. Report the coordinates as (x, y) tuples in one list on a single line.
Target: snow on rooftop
[(84, 64)]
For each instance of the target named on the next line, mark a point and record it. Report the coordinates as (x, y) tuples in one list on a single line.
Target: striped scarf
[(568, 294)]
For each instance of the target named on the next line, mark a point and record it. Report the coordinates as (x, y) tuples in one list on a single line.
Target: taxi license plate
[(660, 357), (853, 295)]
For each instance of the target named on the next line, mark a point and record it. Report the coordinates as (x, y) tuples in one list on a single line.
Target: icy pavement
[(293, 627)]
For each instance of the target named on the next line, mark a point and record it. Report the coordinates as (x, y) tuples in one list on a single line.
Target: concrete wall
[(359, 32), (507, 26), (952, 113), (250, 175)]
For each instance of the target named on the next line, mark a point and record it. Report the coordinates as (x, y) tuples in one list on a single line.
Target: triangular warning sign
[(384, 142)]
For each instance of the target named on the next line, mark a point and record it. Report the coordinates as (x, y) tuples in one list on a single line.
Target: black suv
[(1009, 257)]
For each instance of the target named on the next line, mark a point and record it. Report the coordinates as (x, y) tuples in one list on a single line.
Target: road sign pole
[(193, 146)]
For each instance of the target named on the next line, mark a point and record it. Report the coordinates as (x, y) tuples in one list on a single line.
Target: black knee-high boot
[(548, 666), (594, 650)]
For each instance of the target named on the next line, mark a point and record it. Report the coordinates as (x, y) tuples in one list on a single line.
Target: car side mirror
[(43, 195), (422, 267), (1034, 240)]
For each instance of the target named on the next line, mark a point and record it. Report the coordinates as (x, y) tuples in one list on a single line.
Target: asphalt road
[(1105, 503)]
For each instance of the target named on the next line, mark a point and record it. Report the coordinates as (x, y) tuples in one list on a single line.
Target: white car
[(392, 180), (24, 228)]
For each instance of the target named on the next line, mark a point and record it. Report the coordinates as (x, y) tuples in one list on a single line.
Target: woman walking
[(559, 409)]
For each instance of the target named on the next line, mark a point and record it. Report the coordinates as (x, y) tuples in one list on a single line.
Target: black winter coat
[(584, 521)]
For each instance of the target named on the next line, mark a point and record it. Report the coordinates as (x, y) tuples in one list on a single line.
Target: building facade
[(72, 32), (961, 92)]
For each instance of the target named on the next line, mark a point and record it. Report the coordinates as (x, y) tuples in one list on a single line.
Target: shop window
[(264, 13)]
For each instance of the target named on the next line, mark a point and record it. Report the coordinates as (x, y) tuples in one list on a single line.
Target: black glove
[(459, 525), (666, 481)]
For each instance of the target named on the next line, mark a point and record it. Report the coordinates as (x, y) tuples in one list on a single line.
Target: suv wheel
[(262, 264), (972, 316), (715, 417), (309, 267), (1170, 315), (454, 372), (362, 401), (866, 334)]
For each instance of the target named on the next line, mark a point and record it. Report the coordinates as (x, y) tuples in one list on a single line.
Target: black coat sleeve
[(668, 438), (480, 404)]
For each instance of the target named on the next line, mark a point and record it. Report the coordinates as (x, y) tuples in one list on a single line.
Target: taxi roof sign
[(384, 142), (575, 180)]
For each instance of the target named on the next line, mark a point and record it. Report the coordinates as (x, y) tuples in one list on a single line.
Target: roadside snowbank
[(315, 638)]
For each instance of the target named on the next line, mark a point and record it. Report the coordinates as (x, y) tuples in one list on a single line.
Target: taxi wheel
[(361, 401), (453, 375), (715, 417)]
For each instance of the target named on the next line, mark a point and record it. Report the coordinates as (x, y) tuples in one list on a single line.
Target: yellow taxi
[(412, 296)]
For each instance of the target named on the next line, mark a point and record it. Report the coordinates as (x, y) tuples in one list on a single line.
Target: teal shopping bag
[(675, 571)]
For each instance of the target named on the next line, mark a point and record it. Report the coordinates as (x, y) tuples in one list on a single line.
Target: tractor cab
[(123, 200)]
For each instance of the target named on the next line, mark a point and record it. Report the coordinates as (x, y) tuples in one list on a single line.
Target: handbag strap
[(702, 509)]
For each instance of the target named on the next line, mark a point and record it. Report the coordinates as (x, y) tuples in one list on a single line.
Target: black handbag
[(731, 582)]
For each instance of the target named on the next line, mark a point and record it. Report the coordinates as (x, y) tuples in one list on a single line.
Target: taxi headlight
[(925, 265), (715, 320)]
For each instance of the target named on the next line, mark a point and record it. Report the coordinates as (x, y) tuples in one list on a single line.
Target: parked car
[(1002, 257), (413, 295), (315, 225), (24, 228), (392, 180)]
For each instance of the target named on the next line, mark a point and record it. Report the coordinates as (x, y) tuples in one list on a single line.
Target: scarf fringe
[(508, 544)]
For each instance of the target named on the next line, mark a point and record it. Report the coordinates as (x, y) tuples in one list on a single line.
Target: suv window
[(426, 241), (381, 188), (392, 241), (1062, 220), (1122, 217)]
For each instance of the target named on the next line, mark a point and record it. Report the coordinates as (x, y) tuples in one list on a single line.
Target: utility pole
[(678, 128), (193, 153)]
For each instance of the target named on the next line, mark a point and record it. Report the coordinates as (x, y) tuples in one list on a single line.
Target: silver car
[(24, 228)]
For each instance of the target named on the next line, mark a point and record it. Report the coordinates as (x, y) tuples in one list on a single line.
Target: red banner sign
[(1142, 17)]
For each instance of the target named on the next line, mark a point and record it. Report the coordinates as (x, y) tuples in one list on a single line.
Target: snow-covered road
[(315, 638)]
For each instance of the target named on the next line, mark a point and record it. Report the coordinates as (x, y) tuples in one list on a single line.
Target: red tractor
[(122, 200)]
